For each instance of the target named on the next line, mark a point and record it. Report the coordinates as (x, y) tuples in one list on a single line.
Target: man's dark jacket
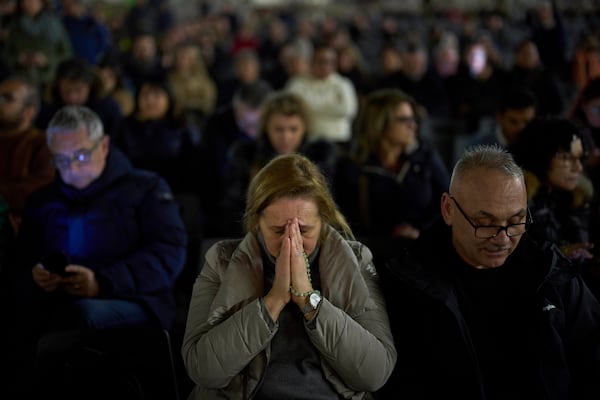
[(436, 358), (125, 226)]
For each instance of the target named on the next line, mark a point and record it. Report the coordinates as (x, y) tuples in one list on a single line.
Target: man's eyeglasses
[(491, 231), (81, 157)]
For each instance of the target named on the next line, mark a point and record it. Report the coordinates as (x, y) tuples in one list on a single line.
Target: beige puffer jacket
[(226, 345)]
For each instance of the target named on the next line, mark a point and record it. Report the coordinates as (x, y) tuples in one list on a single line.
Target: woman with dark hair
[(586, 112), (153, 138), (551, 152), (77, 83)]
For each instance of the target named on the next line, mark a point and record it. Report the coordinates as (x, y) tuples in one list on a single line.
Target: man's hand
[(46, 280), (80, 281)]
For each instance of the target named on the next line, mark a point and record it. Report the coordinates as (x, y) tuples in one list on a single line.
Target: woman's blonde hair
[(376, 114), (292, 176)]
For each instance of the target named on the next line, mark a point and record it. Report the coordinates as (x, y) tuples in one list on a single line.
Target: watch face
[(314, 300)]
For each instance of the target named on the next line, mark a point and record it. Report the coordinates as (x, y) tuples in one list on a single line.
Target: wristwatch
[(314, 299)]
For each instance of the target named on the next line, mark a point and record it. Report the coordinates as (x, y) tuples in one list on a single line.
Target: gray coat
[(226, 347)]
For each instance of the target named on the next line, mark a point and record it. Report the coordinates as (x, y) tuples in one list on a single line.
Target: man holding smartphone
[(120, 229)]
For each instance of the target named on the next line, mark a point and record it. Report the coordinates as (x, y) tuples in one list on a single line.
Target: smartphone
[(56, 262)]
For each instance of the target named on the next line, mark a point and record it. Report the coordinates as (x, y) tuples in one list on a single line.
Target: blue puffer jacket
[(125, 226)]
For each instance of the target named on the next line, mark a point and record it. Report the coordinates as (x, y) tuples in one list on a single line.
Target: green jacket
[(46, 34)]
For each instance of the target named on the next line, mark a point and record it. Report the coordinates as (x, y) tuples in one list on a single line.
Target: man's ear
[(447, 208), (105, 144)]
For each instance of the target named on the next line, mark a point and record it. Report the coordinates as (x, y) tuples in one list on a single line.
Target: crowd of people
[(354, 253)]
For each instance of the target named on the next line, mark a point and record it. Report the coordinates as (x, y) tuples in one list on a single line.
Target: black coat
[(245, 159), (375, 200), (556, 324)]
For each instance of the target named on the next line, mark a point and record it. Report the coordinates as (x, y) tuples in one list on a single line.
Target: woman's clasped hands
[(291, 272)]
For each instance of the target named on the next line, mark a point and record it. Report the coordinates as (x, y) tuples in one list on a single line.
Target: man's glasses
[(81, 157), (491, 231)]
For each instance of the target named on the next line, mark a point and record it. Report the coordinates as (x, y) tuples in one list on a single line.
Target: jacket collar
[(116, 166)]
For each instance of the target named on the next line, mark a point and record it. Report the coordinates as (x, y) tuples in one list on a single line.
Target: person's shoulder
[(540, 253), (241, 150), (426, 148), (297, 81), (340, 79), (105, 103), (222, 252), (427, 154), (51, 19), (34, 136), (416, 253), (146, 179), (137, 181), (321, 149), (223, 248)]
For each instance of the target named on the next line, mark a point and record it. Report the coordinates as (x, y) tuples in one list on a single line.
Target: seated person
[(155, 139), (103, 245), (516, 109), (331, 96), (390, 184), (482, 311), (234, 122), (292, 309), (77, 83), (284, 128), (551, 151), (24, 156)]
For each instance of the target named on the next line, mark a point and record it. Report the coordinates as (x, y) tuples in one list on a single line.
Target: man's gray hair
[(492, 156), (72, 118)]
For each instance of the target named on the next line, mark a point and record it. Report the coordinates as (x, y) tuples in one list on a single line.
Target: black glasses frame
[(499, 228)]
